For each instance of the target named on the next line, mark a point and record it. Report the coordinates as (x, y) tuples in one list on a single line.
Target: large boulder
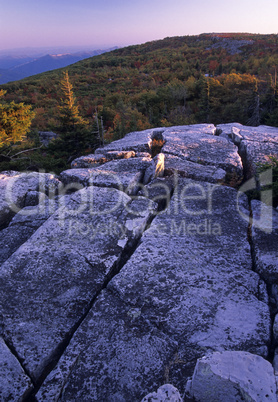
[(191, 275), (151, 264), (138, 141), (197, 171), (188, 285), (233, 376), (20, 229)]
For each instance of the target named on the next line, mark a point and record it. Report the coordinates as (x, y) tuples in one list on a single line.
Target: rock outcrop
[(233, 376), (141, 266)]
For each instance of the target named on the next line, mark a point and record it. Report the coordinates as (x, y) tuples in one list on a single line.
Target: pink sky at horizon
[(107, 23)]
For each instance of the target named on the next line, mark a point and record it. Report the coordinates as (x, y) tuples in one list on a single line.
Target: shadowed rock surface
[(265, 241), (14, 187), (15, 384), (137, 262)]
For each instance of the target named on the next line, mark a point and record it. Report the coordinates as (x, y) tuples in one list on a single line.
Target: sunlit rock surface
[(198, 145), (95, 160), (256, 144), (124, 175)]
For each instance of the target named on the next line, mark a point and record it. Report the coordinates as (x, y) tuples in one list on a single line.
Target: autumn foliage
[(209, 78), (15, 120)]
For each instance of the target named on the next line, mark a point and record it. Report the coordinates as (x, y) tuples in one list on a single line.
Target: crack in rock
[(151, 255)]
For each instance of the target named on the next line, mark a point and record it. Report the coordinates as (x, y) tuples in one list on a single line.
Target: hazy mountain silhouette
[(16, 67)]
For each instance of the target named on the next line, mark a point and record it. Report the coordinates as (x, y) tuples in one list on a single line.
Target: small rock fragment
[(166, 393)]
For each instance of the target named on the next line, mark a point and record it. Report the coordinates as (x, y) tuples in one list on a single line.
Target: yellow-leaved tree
[(73, 128), (69, 114), (15, 121)]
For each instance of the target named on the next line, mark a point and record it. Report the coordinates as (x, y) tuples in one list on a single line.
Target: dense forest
[(209, 78)]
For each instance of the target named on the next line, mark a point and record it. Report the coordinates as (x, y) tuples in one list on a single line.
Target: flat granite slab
[(194, 264), (265, 241), (116, 355), (200, 146), (138, 141), (148, 266), (192, 170), (124, 175), (190, 283), (49, 283)]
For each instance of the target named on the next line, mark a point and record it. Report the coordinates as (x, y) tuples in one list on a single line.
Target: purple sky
[(33, 23)]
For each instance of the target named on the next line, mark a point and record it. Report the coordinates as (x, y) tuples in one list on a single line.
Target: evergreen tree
[(69, 113), (74, 129)]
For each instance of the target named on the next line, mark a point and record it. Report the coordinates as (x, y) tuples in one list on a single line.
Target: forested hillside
[(209, 78)]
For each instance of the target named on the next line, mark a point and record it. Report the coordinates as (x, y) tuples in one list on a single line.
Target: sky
[(107, 23)]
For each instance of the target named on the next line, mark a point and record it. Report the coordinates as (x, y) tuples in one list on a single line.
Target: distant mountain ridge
[(13, 68)]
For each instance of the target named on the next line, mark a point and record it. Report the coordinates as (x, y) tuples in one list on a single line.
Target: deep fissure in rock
[(271, 346), (126, 253), (243, 156), (20, 360)]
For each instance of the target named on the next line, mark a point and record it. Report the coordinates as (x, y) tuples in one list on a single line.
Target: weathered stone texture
[(256, 144), (200, 146), (164, 394), (124, 175), (232, 377), (265, 241), (136, 141), (116, 355), (197, 288), (112, 293), (15, 384), (49, 282), (191, 275), (20, 229), (98, 159), (196, 171), (14, 187)]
